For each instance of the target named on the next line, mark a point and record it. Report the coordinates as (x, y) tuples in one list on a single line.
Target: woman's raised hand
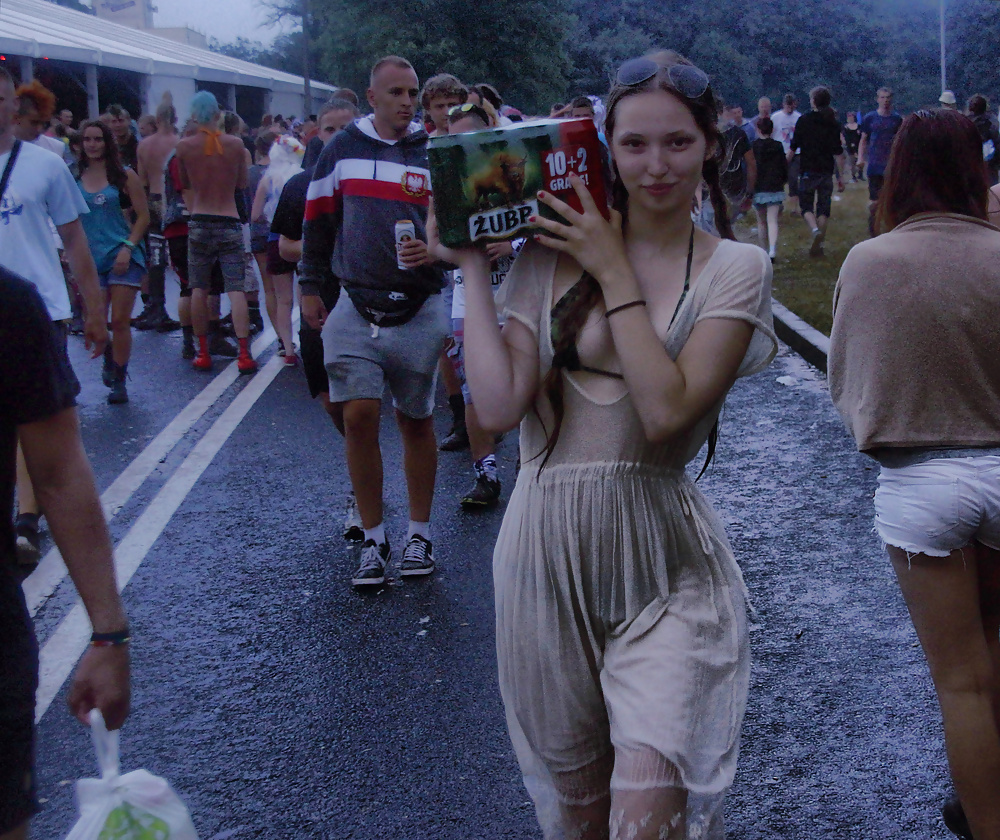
[(594, 242), (462, 257)]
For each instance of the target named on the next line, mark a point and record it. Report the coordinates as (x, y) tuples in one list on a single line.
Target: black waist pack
[(386, 308)]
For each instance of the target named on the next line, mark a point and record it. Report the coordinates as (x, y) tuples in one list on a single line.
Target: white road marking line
[(70, 639), (45, 579)]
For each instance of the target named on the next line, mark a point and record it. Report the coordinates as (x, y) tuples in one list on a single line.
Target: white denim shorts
[(941, 505)]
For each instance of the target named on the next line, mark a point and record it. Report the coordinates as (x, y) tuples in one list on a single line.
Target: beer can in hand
[(405, 232)]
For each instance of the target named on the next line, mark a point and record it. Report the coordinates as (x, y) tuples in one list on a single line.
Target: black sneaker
[(457, 440), (954, 818), (187, 350), (417, 557), (371, 572), (485, 493), (29, 550), (353, 529)]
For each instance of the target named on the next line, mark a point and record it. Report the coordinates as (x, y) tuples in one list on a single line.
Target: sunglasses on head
[(469, 108), (686, 79)]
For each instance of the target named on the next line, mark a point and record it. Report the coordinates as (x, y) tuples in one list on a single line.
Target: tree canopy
[(537, 52)]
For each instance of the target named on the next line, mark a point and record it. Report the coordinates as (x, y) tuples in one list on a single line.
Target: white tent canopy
[(37, 30)]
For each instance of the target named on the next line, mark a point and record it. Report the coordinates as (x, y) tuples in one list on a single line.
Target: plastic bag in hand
[(136, 806)]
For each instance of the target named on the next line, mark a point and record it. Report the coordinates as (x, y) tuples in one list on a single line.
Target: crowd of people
[(611, 345)]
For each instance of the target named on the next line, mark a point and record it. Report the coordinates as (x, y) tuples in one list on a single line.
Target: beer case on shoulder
[(486, 183)]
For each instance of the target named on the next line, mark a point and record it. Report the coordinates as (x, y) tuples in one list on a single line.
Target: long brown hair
[(572, 318), (936, 166), (112, 159)]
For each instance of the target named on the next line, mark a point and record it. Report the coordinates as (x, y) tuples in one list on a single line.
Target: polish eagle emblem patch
[(415, 184)]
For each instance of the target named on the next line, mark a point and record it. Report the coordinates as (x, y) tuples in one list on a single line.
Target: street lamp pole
[(306, 69), (944, 75)]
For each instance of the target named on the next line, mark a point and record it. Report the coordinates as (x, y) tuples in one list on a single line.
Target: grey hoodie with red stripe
[(361, 187)]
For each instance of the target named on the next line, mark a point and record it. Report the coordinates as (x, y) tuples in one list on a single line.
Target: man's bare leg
[(364, 458), (199, 312), (335, 410), (241, 314), (270, 303), (26, 501), (419, 463)]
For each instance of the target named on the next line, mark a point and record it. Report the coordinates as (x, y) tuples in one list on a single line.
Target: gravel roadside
[(842, 736)]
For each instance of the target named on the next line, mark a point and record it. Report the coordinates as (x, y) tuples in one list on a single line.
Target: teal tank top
[(106, 227)]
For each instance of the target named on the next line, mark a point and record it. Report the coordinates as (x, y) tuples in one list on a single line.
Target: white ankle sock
[(377, 533), (420, 529)]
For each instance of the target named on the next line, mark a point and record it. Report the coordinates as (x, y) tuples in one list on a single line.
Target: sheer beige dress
[(621, 620)]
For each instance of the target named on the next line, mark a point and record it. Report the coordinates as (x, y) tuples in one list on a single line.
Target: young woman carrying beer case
[(621, 621)]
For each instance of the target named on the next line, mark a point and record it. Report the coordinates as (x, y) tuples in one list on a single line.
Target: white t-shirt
[(52, 144), (41, 189), (784, 127)]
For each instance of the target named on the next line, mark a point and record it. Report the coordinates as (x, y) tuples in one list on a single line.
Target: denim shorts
[(362, 359), (132, 277), (765, 199), (214, 239), (941, 505)]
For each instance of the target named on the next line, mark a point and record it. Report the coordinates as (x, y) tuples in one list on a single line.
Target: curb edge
[(805, 340)]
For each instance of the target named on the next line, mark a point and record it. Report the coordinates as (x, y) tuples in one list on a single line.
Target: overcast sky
[(222, 19)]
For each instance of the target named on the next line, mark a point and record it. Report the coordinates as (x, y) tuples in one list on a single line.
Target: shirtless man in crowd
[(152, 153), (213, 166)]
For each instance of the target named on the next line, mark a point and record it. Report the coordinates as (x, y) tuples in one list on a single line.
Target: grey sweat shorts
[(212, 238), (362, 359)]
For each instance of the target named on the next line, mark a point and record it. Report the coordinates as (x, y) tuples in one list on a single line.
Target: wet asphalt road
[(282, 704)]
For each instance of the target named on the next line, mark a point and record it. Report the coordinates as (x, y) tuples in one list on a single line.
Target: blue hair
[(204, 107)]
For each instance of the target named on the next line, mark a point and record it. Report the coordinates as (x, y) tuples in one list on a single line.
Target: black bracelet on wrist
[(628, 305), (119, 637)]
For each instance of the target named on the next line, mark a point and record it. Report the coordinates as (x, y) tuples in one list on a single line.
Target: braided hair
[(570, 319)]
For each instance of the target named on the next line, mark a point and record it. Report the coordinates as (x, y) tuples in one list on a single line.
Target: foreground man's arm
[(65, 488)]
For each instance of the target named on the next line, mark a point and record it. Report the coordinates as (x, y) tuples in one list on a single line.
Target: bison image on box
[(503, 178), (485, 183)]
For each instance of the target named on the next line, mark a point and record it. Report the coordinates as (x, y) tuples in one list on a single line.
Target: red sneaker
[(245, 364), (202, 361), (291, 360)]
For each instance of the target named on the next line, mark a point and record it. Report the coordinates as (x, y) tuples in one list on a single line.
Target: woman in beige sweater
[(915, 374)]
